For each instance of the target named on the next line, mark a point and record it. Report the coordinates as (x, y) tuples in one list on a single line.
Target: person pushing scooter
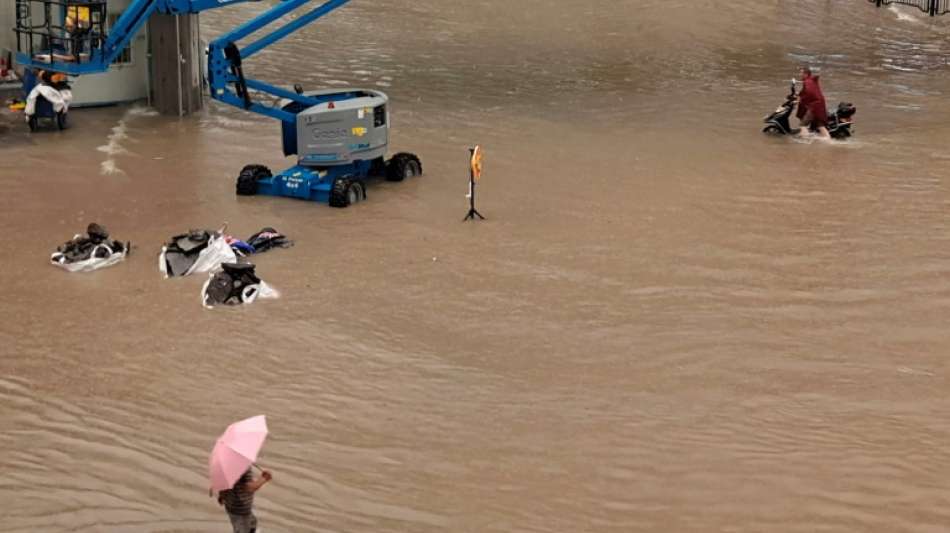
[(812, 111)]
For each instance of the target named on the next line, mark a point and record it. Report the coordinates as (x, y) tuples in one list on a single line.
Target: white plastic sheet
[(93, 263), (59, 99), (209, 259)]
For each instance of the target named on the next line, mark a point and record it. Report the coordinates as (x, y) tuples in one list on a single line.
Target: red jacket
[(811, 99)]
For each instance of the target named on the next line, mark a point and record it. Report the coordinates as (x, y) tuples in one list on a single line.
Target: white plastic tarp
[(59, 99), (209, 259), (93, 263)]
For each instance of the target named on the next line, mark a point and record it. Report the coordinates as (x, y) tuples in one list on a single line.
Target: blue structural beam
[(231, 98), (293, 26), (176, 7), (225, 72), (124, 30)]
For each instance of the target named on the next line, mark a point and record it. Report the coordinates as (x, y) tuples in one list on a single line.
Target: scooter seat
[(846, 109)]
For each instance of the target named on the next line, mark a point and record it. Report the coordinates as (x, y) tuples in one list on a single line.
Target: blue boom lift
[(340, 137)]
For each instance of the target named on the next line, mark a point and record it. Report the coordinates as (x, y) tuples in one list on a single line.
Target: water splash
[(120, 132)]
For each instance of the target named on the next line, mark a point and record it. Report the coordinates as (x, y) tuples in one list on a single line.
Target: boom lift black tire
[(403, 165), (347, 191), (356, 193), (247, 180), (338, 194)]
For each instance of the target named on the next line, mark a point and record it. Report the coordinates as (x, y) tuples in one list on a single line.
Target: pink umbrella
[(235, 451)]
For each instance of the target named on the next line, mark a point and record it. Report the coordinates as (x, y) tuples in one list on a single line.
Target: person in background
[(77, 26), (238, 501), (812, 111)]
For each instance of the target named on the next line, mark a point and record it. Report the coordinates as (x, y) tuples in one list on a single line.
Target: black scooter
[(839, 123)]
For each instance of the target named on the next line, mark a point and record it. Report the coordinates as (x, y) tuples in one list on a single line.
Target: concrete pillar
[(176, 66)]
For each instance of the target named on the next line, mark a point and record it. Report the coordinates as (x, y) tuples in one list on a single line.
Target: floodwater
[(668, 321)]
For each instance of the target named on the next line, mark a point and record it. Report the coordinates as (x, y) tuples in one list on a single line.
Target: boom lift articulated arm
[(225, 59), (226, 78)]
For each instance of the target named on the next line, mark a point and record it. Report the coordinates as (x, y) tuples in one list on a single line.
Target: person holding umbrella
[(238, 501), (229, 470)]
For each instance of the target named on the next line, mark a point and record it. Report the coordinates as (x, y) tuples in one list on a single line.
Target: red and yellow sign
[(477, 162)]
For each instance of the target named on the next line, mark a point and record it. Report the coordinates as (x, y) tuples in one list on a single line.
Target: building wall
[(126, 80), (7, 22)]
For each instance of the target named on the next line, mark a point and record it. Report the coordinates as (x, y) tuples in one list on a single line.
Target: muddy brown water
[(668, 322)]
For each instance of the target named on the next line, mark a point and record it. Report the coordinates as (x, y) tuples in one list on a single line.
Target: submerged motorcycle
[(839, 122)]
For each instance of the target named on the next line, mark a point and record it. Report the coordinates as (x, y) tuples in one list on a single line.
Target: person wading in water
[(239, 501), (812, 111)]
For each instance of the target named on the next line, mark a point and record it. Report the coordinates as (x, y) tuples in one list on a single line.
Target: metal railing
[(931, 7), (59, 30)]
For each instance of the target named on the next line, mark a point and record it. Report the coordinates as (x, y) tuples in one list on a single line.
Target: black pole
[(471, 197), (472, 212), (933, 7)]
